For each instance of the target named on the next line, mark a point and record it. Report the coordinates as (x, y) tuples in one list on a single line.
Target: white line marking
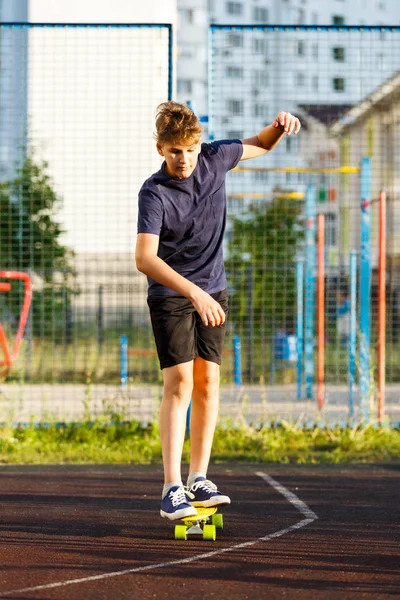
[(292, 498)]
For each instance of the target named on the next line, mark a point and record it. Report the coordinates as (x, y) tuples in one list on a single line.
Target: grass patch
[(130, 443)]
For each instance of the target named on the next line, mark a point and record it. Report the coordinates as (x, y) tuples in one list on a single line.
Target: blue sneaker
[(175, 505), (206, 494)]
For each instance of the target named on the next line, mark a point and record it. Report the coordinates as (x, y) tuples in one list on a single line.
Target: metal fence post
[(353, 330), (237, 360), (300, 325), (124, 360), (365, 290), (309, 342)]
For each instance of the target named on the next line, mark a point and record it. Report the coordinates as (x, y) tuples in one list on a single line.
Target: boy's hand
[(289, 122), (210, 311)]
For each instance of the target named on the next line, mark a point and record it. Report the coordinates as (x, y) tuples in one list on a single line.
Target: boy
[(182, 213)]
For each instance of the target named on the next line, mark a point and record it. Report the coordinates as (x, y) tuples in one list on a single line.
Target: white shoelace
[(205, 484), (179, 496)]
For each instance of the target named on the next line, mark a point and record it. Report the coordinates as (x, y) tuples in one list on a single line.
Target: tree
[(261, 265), (30, 241)]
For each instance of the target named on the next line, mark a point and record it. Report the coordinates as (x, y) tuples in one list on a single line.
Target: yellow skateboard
[(205, 523)]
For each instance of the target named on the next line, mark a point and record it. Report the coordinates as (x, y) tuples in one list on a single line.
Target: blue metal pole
[(300, 325), (211, 52), (237, 360), (124, 360), (353, 330), (170, 62), (365, 290), (309, 341), (188, 415)]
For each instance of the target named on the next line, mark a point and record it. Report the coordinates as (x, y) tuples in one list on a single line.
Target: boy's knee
[(206, 383), (178, 383)]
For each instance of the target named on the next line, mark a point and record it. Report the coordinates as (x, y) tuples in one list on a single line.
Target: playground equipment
[(310, 277), (10, 357)]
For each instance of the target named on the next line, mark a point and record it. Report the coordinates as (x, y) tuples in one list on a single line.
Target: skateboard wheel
[(218, 521), (180, 532), (209, 533)]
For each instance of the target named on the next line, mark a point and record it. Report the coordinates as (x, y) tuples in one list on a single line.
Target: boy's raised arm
[(270, 136)]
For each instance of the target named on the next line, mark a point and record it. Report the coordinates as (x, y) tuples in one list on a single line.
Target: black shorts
[(179, 332)]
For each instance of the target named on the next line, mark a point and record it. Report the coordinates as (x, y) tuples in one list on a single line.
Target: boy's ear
[(159, 149)]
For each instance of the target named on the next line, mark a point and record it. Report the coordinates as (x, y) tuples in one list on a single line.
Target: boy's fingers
[(289, 122), (281, 119)]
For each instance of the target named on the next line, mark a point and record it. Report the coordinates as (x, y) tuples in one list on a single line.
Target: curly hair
[(177, 122)]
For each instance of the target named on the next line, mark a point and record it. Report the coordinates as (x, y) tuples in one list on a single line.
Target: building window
[(290, 178), (259, 110), (235, 134), (381, 61), (234, 8), (260, 14), (186, 16), (300, 79), (300, 48), (260, 79), (185, 86), (330, 229), (315, 50), (314, 18), (260, 175), (338, 20), (338, 84), (338, 54), (291, 145), (234, 72), (235, 40), (235, 107), (301, 16), (302, 177), (314, 83), (260, 46)]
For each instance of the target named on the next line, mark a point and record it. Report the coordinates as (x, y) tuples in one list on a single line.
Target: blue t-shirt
[(189, 215)]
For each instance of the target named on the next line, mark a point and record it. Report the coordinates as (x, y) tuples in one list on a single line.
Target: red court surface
[(303, 532)]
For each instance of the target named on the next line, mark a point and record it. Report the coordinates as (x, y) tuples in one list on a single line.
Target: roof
[(326, 113), (381, 96)]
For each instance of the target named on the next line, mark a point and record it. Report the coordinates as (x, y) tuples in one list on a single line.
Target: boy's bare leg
[(204, 414), (178, 384)]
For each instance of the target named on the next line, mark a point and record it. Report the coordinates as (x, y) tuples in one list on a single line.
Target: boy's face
[(181, 159)]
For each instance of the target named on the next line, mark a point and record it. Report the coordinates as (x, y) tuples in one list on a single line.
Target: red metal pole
[(382, 307), (321, 312), (10, 357)]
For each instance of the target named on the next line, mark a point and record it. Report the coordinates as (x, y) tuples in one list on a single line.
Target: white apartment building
[(337, 69), (247, 75)]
